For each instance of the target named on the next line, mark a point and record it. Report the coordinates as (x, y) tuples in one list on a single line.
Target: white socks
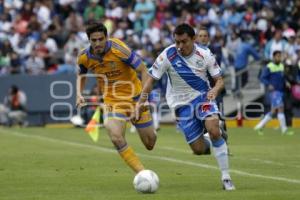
[(263, 122), (282, 122), (221, 155), (155, 120), (268, 117)]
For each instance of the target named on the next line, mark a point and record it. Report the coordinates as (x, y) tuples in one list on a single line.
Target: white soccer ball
[(146, 181)]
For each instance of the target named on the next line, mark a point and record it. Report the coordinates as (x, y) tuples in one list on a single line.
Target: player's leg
[(146, 130), (222, 122), (220, 149), (148, 136), (282, 122), (200, 146), (223, 129), (277, 102), (281, 119), (154, 100), (4, 115), (155, 117), (14, 117), (192, 129), (264, 121), (116, 131), (274, 104)]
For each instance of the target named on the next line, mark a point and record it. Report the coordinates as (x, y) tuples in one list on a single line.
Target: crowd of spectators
[(45, 36)]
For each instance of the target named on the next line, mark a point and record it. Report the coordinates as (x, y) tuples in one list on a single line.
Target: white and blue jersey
[(187, 86), (187, 78)]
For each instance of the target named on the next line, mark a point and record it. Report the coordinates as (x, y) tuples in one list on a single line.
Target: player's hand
[(136, 115), (80, 101), (212, 94)]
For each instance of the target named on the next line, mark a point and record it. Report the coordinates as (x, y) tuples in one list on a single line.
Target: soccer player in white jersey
[(190, 95), (204, 39)]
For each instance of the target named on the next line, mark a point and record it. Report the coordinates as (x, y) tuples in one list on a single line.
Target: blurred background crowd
[(45, 36)]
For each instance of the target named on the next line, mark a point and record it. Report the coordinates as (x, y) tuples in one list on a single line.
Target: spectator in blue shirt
[(243, 51), (273, 78)]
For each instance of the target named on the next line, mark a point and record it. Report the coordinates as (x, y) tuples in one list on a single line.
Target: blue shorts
[(154, 96), (190, 117), (276, 99)]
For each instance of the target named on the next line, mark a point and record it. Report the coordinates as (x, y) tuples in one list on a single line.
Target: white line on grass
[(270, 162), (174, 160)]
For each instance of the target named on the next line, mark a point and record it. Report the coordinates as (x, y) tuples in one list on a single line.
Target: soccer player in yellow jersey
[(116, 68)]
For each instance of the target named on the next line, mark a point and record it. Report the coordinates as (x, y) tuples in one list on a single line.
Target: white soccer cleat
[(258, 130), (228, 185), (287, 132), (132, 129)]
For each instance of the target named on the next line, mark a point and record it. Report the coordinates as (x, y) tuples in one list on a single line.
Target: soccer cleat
[(228, 185), (258, 131), (288, 132), (132, 129)]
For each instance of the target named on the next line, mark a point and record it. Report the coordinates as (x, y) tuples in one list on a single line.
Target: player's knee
[(118, 141), (149, 146), (214, 133), (151, 142), (198, 150)]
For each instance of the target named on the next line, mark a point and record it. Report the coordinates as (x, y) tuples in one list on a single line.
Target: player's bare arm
[(214, 92), (80, 83), (142, 69), (144, 96)]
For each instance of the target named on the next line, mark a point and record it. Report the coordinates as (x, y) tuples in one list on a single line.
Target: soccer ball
[(146, 181)]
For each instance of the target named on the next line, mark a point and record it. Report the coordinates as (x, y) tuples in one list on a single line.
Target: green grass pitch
[(64, 164)]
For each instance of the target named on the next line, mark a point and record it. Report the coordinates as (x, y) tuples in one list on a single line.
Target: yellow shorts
[(123, 111)]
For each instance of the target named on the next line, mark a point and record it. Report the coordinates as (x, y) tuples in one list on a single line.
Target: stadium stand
[(40, 40)]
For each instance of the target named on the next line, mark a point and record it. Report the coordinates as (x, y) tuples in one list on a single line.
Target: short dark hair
[(276, 52), (203, 28), (14, 89), (184, 28), (95, 26)]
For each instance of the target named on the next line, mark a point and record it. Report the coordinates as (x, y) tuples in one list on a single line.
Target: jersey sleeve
[(159, 67), (264, 76), (126, 54), (212, 65), (81, 63)]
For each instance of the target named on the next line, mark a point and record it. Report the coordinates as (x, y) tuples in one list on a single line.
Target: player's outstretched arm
[(80, 84), (144, 96), (214, 92), (142, 69)]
